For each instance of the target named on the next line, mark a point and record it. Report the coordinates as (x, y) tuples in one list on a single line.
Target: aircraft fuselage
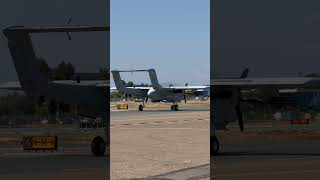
[(165, 95)]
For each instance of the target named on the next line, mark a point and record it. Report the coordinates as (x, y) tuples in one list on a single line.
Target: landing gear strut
[(98, 146), (175, 107)]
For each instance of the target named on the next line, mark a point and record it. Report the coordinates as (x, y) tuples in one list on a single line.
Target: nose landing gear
[(214, 146), (175, 107), (98, 146), (140, 107)]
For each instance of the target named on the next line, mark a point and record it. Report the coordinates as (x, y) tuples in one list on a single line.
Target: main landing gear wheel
[(214, 146), (140, 107), (98, 146), (175, 107)]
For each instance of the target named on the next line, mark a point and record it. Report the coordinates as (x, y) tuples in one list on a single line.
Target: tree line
[(65, 71)]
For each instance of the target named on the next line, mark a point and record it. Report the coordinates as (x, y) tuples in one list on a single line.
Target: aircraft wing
[(227, 94), (279, 83), (199, 88), (11, 85), (142, 88), (98, 83), (15, 85)]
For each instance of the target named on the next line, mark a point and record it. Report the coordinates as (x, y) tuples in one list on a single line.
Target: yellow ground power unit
[(122, 106), (40, 143)]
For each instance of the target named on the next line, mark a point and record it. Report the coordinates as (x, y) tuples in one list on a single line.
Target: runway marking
[(192, 173), (160, 117), (153, 122)]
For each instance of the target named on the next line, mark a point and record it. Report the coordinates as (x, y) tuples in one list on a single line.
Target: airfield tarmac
[(160, 143), (269, 151), (156, 143), (73, 160), (164, 144)]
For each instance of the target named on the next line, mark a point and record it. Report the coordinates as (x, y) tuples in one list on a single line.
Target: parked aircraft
[(90, 96), (227, 95), (157, 93)]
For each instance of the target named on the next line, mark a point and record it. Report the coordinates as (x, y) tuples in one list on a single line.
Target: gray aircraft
[(90, 96), (227, 95), (157, 93)]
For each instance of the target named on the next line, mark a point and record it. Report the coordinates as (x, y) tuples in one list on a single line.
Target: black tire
[(140, 107), (176, 107), (172, 107), (214, 146), (98, 147)]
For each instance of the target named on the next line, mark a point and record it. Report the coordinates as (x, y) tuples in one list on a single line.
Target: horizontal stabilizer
[(23, 29), (140, 70)]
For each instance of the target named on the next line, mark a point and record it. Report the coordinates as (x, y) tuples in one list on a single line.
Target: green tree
[(64, 71), (130, 84), (44, 67), (144, 85), (115, 95)]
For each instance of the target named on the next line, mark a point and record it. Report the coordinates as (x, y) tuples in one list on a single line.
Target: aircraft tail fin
[(33, 81), (154, 79), (120, 84), (25, 62)]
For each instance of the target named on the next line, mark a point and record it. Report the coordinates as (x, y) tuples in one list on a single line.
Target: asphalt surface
[(268, 151), (153, 144), (165, 144), (73, 160), (160, 144), (52, 166)]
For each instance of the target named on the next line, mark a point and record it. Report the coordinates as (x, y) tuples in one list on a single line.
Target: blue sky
[(172, 36)]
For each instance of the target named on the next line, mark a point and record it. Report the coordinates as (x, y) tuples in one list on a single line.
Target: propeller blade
[(147, 99), (68, 35), (69, 20), (245, 73), (239, 116)]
